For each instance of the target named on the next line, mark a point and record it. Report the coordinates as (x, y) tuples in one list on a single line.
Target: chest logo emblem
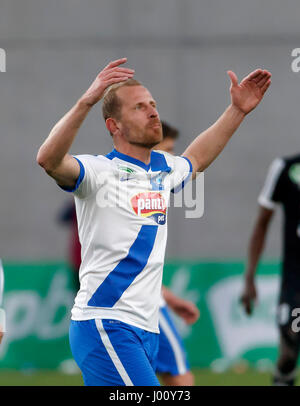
[(150, 204)]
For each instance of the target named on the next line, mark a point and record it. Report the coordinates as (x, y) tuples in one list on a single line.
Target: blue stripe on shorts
[(113, 353), (171, 357)]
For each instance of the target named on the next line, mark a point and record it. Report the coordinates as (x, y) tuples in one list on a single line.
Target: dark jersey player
[(282, 186)]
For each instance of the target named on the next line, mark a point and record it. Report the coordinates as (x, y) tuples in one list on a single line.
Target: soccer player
[(172, 363), (281, 187), (114, 323), (67, 216)]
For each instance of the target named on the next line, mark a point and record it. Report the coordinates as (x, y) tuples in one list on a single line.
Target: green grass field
[(203, 378)]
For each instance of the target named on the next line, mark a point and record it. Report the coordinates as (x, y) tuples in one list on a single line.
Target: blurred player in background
[(114, 326), (172, 363), (2, 312), (282, 186), (67, 216)]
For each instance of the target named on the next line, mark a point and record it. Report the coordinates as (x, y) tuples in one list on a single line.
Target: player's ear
[(111, 125)]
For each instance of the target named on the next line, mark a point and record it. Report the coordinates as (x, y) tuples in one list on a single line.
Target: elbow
[(43, 161), (40, 159)]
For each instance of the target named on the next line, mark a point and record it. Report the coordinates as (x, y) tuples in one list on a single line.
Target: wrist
[(237, 112), (85, 102), (249, 277)]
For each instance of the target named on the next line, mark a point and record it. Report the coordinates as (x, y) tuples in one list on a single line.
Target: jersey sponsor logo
[(126, 169), (128, 173), (150, 205)]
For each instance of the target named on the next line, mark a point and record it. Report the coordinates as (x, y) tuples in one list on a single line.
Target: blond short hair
[(111, 106)]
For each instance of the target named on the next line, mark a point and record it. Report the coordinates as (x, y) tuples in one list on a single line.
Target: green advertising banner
[(38, 298), (224, 334)]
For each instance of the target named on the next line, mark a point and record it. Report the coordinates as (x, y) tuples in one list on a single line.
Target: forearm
[(256, 246), (62, 136), (172, 300), (208, 145), (169, 297)]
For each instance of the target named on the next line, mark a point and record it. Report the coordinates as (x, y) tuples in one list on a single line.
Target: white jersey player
[(123, 214), (114, 326)]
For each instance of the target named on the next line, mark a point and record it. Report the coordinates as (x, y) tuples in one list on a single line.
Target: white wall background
[(181, 50)]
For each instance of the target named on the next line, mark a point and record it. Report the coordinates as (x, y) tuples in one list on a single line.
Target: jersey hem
[(113, 316)]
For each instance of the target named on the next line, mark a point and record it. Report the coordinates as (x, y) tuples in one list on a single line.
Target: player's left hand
[(247, 95), (187, 311)]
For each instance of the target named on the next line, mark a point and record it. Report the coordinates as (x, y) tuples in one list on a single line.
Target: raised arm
[(54, 155), (244, 98)]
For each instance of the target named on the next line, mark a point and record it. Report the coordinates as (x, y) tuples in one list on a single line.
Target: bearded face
[(139, 123)]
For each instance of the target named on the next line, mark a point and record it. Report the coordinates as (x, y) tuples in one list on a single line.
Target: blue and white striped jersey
[(121, 205)]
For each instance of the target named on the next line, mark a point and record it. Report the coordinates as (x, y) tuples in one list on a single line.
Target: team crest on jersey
[(151, 205), (128, 175), (125, 169)]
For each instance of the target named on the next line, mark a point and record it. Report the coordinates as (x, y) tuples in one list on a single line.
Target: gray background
[(181, 50)]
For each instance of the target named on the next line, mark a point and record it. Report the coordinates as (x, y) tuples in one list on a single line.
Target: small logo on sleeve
[(150, 205)]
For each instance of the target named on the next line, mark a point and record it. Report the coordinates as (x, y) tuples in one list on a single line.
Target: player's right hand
[(248, 296), (111, 74), (1, 336)]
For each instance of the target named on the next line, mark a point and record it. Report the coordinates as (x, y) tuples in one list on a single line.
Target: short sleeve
[(182, 171), (92, 168), (273, 188), (178, 168)]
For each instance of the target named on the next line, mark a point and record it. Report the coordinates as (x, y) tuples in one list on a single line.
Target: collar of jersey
[(157, 161)]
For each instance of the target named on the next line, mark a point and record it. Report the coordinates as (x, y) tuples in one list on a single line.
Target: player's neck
[(135, 151)]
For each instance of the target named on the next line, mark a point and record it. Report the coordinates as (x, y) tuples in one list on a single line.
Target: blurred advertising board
[(224, 335), (38, 298)]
